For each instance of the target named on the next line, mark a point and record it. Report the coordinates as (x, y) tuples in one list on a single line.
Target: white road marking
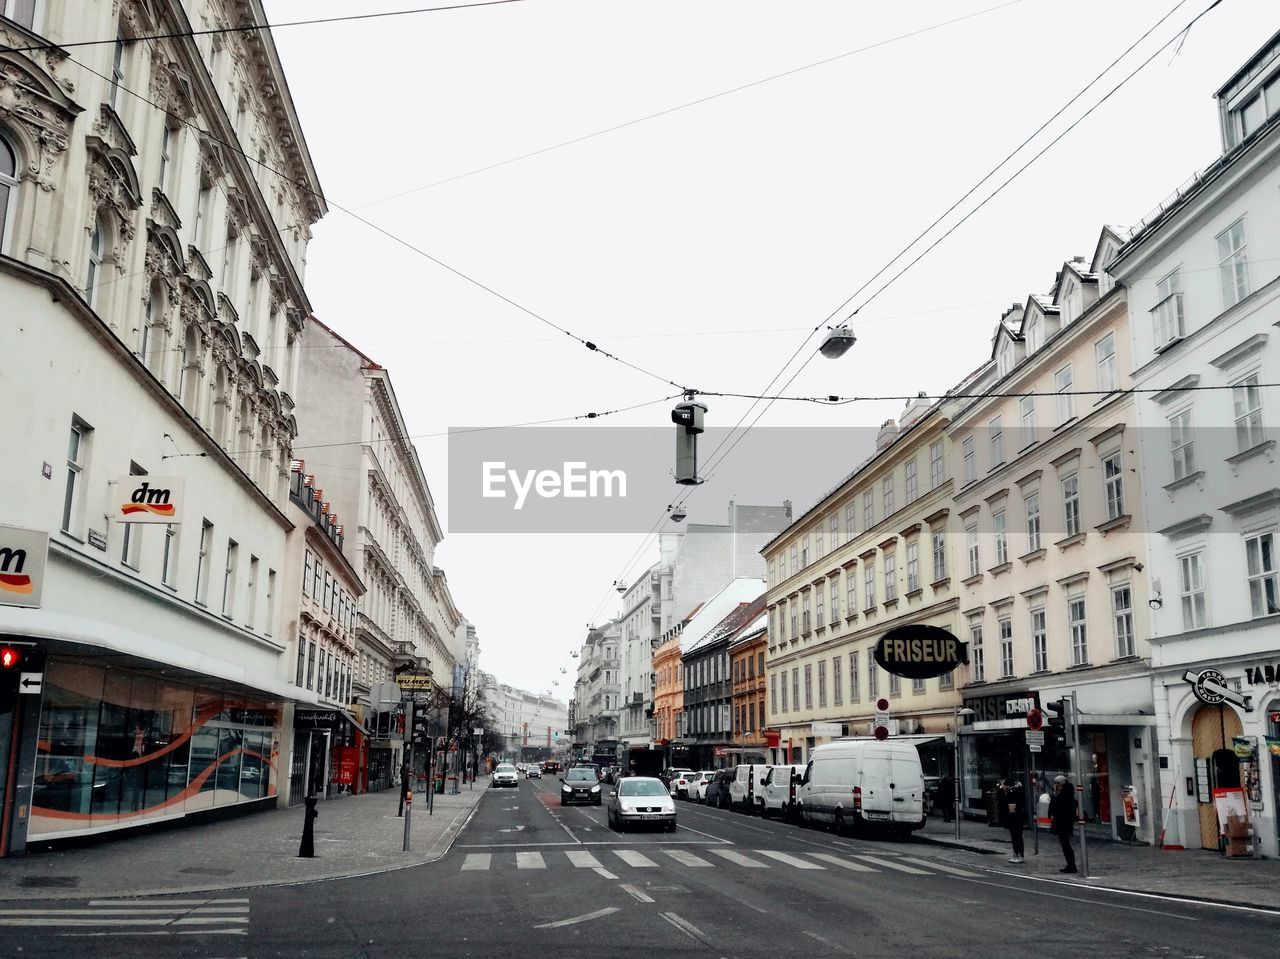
[(1111, 905), (789, 860), (598, 914), (686, 858), (685, 926), (603, 873), (707, 834), (530, 860), (738, 858), (950, 870), (633, 858), (1261, 910), (168, 902), (841, 861), (887, 864), (583, 860), (828, 943), (636, 893), (477, 862)]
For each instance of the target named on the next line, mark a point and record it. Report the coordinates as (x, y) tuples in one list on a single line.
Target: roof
[(732, 625), (713, 611), (1264, 53), (753, 630)]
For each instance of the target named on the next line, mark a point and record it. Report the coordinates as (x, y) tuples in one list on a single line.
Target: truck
[(644, 761)]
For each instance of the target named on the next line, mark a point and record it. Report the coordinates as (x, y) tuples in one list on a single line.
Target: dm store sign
[(23, 553), (149, 499)]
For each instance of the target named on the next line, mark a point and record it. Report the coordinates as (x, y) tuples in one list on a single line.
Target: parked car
[(669, 774), (718, 788), (748, 778), (861, 783), (681, 782), (551, 766), (504, 774), (778, 792), (580, 784), (698, 787), (641, 800), (532, 771)]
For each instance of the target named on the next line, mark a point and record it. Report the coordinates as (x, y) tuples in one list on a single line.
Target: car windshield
[(641, 787), (506, 769), (581, 776)]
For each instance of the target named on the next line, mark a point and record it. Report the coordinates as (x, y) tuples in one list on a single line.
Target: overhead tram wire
[(254, 27)]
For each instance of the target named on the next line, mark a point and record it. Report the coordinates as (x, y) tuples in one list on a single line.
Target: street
[(529, 877)]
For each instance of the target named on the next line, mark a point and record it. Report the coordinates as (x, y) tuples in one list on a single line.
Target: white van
[(747, 781), (854, 783), (778, 792)]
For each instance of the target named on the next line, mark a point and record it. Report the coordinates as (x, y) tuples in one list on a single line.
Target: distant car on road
[(680, 784), (532, 771), (551, 766), (580, 785), (641, 801), (504, 774), (698, 787), (669, 774)]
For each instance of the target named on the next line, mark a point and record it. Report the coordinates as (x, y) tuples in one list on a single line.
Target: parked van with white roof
[(857, 783)]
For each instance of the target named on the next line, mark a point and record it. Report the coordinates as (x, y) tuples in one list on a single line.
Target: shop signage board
[(1210, 687), (346, 763), (1002, 706), (149, 499), (920, 651), (23, 554), (413, 682), (827, 729)]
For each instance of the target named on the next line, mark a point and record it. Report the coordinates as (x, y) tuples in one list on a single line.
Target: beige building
[(873, 554), (1049, 546)]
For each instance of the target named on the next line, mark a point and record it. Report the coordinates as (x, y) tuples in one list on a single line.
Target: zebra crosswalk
[(681, 859), (145, 916)]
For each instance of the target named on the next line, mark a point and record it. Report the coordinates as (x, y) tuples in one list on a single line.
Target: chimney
[(786, 505), (914, 410), (888, 433)]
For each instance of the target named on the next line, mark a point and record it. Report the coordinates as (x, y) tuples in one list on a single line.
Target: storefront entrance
[(1212, 730)]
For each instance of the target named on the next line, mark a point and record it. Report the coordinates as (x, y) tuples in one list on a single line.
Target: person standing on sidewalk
[(1012, 805), (1062, 818)]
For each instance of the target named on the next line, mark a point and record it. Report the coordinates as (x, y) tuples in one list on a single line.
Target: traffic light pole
[(1073, 726)]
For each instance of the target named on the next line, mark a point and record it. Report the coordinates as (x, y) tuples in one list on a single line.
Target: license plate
[(875, 815)]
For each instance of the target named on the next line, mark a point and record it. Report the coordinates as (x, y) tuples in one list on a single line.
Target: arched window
[(8, 187), (96, 243)]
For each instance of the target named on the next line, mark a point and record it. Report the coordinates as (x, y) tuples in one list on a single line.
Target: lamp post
[(960, 711)]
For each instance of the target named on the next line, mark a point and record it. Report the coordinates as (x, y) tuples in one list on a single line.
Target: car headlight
[(566, 789), (595, 789)]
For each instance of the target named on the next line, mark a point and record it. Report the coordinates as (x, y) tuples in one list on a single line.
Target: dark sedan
[(580, 785), (718, 789)]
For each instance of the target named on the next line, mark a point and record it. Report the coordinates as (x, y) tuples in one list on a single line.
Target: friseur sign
[(919, 651)]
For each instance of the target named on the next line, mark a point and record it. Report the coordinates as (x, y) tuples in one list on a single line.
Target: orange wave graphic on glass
[(16, 583), (159, 509)]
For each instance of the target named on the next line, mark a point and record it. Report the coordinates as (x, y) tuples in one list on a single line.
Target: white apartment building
[(598, 690), (641, 624), (527, 720), (1204, 291), (155, 206), (353, 435)]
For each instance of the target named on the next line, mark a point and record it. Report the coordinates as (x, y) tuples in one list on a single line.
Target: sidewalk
[(1192, 874), (354, 835)]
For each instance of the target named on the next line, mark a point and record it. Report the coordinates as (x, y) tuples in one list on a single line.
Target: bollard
[(308, 848)]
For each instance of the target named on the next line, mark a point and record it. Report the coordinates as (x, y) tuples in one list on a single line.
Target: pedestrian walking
[(1062, 818), (1012, 805)]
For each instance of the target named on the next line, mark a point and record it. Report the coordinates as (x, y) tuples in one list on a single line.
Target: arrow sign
[(30, 683), (1210, 687)]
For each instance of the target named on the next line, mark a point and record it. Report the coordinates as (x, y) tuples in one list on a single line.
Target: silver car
[(505, 775), (641, 800)]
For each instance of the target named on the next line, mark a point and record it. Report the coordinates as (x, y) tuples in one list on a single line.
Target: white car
[(681, 779), (698, 789), (641, 801), (504, 774)]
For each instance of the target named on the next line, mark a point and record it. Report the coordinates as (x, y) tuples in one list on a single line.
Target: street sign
[(1035, 721), (920, 651), (1210, 687), (1035, 739), (413, 682), (30, 683)]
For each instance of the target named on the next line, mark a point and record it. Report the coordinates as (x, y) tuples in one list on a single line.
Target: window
[(822, 682), (804, 551), (8, 184), (869, 585), (794, 607), (913, 490), (166, 144), (311, 665), (760, 667), (804, 619), (1167, 314), (917, 687), (782, 568), (784, 691), (1034, 335), (131, 541), (936, 465), (1191, 589), (1062, 386), (270, 624), (1039, 640), (1260, 554), (868, 510), (96, 243), (203, 563), (773, 570), (851, 593), (837, 683), (773, 693), (849, 524), (886, 488), (913, 567), (1122, 615), (169, 561), (970, 468), (873, 675), (302, 663), (1104, 352), (1233, 264), (20, 11), (1246, 396), (1004, 358), (251, 613), (947, 680), (1026, 421), (855, 686), (817, 541), (1079, 631), (997, 442), (890, 558), (306, 572), (229, 579), (835, 531), (971, 548), (1182, 444), (1000, 523), (939, 556), (1033, 522), (795, 685), (1005, 626), (895, 685), (117, 73), (835, 602), (1252, 115), (795, 558), (1113, 473), (1071, 503), (77, 453), (977, 667), (821, 608), (317, 570)]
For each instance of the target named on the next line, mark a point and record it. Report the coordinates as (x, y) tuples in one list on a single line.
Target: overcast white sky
[(705, 243)]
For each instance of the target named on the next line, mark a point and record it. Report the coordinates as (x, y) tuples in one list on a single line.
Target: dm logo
[(13, 578), (147, 499)]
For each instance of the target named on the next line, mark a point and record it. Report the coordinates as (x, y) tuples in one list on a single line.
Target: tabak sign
[(919, 651), (23, 553), (149, 499)]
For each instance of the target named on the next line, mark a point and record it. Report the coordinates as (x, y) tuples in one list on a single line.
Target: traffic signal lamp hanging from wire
[(688, 419)]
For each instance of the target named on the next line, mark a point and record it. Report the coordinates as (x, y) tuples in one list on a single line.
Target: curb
[(449, 833), (952, 844)]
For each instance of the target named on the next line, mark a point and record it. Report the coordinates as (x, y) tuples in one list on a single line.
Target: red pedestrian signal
[(1035, 720), (9, 657)]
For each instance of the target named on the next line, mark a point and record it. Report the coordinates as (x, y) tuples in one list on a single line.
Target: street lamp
[(960, 711)]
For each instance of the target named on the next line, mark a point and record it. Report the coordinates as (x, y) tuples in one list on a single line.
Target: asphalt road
[(529, 878)]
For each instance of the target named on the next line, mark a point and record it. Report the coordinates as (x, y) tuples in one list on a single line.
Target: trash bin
[(439, 787)]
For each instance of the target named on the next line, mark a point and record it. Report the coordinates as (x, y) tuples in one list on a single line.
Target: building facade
[(157, 273), (598, 691), (708, 686), (746, 665), (532, 724), (1204, 290), (641, 622)]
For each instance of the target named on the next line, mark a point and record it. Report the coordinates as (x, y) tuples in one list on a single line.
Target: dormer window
[(1068, 303), (1035, 334), (1004, 358), (1252, 114)]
